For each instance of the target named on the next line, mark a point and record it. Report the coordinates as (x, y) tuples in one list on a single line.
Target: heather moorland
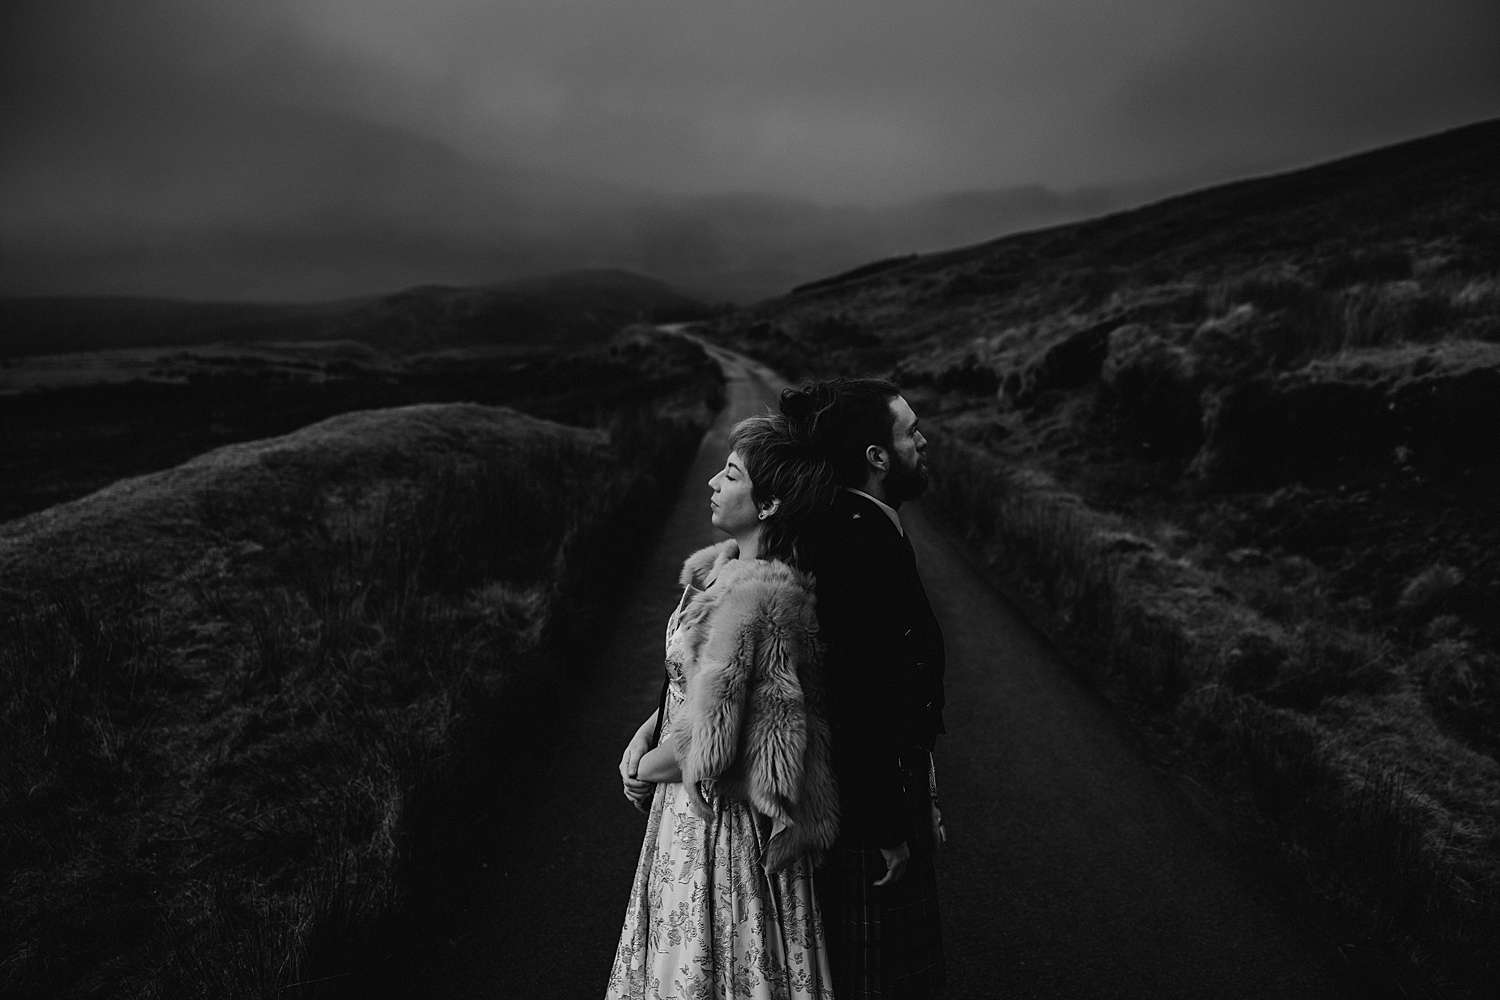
[(1238, 450)]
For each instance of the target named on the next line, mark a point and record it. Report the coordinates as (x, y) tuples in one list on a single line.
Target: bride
[(735, 766)]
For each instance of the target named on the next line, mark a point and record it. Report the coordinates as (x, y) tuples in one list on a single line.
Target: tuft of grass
[(1479, 296), (1395, 312), (1429, 587), (1375, 265)]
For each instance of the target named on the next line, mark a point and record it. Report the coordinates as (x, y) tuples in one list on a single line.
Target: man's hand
[(939, 831), (697, 803), (896, 859)]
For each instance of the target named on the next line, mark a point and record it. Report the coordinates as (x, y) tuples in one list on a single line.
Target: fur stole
[(754, 719)]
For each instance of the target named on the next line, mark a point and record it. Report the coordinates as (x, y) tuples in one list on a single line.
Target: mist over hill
[(219, 214)]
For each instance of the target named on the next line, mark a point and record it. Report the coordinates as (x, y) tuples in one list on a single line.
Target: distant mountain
[(749, 246), (565, 309)]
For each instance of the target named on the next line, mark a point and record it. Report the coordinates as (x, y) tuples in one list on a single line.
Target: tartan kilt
[(884, 941)]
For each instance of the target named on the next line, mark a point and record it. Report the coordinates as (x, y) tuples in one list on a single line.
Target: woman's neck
[(749, 543)]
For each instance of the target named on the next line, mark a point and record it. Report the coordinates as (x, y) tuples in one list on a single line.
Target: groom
[(884, 669)]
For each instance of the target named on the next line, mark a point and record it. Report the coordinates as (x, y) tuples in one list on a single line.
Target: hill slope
[(1277, 401), (1334, 327)]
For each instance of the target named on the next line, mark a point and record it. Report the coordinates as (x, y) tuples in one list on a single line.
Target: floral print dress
[(704, 920)]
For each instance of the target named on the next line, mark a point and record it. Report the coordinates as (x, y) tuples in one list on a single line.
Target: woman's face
[(732, 508)]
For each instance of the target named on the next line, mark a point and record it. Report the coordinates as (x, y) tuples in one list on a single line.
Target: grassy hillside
[(231, 690), (1244, 439)]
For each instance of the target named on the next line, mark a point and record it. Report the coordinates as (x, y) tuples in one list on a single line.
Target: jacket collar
[(706, 562), (721, 563), (885, 508)]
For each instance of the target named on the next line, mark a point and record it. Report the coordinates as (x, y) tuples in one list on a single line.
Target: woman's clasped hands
[(643, 767)]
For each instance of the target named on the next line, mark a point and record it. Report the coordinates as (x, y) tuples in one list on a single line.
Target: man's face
[(908, 475)]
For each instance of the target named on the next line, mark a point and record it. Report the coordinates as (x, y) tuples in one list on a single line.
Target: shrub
[(1462, 684), (1268, 288), (1231, 346), (836, 330), (1254, 661), (1152, 385), (1358, 267), (968, 375), (1327, 661)]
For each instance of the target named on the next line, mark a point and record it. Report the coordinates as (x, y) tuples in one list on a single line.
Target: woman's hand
[(637, 788), (659, 766), (641, 798)]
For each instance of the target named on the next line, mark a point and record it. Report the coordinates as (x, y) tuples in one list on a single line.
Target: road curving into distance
[(1075, 870)]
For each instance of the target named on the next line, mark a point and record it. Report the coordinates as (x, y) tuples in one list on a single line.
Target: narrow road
[(1075, 870)]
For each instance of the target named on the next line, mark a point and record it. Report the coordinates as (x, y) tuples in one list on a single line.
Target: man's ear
[(877, 457)]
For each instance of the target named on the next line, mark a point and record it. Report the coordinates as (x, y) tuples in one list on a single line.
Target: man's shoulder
[(861, 515), (852, 527)]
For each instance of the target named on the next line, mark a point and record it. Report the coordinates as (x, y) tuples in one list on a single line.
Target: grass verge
[(1366, 798), (228, 690)]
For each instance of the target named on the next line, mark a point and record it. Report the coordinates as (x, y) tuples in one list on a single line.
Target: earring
[(764, 514)]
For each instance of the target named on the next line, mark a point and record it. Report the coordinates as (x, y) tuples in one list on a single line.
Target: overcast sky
[(158, 112)]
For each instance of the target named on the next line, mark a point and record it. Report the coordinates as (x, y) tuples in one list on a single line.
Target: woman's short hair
[(843, 417), (783, 465)]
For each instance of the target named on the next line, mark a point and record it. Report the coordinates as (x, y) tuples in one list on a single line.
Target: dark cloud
[(1280, 82), (471, 133)]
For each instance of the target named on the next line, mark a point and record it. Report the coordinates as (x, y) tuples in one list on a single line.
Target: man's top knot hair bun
[(802, 408), (839, 419)]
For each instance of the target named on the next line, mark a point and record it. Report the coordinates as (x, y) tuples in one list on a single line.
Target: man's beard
[(906, 482)]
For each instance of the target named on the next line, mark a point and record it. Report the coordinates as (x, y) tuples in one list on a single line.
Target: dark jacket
[(884, 664)]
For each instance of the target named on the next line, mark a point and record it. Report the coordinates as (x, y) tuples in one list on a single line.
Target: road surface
[(1075, 869)]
